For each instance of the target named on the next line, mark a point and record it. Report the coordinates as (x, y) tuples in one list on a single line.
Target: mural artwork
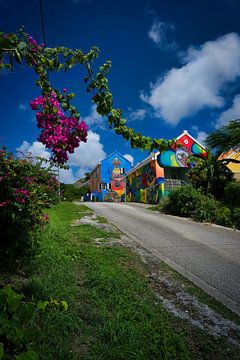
[(177, 156), (117, 183), (145, 184)]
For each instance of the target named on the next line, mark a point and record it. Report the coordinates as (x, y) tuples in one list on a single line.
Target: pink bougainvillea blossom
[(60, 134)]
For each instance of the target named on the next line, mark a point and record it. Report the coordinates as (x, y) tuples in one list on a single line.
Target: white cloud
[(94, 120), (232, 113), (129, 158), (201, 137), (85, 157), (35, 149), (88, 154), (198, 83), (158, 34), (138, 114)]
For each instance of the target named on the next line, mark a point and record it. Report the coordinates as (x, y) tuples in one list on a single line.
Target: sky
[(175, 67)]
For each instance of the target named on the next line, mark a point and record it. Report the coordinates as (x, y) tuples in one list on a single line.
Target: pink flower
[(4, 203), (64, 90)]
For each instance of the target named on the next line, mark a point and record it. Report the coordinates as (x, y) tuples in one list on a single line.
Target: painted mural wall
[(177, 156), (146, 184), (112, 181)]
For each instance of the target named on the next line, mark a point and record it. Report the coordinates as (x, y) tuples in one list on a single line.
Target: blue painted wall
[(113, 169)]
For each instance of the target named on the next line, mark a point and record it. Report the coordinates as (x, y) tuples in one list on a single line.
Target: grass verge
[(113, 313)]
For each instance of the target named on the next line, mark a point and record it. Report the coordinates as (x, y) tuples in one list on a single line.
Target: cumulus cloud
[(158, 34), (201, 137), (94, 120), (197, 84), (232, 113), (85, 157), (88, 154), (129, 158), (35, 149), (138, 114)]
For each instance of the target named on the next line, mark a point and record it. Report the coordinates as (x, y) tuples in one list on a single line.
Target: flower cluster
[(60, 134)]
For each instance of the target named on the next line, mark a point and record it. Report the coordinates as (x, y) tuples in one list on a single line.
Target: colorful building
[(107, 180), (148, 181), (233, 154)]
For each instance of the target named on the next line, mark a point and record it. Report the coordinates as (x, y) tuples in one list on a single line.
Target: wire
[(42, 22)]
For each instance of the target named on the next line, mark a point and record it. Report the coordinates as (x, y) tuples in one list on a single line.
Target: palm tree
[(225, 138), (210, 175)]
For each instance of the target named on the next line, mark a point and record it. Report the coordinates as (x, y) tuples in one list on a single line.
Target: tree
[(210, 175), (225, 138)]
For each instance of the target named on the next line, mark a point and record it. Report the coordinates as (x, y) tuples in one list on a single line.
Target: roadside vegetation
[(94, 300)]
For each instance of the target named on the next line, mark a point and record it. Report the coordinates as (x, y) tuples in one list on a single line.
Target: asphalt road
[(208, 255)]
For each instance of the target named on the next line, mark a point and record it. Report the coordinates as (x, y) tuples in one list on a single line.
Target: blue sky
[(175, 66)]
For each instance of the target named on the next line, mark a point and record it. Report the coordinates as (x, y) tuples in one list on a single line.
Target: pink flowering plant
[(59, 120), (26, 189)]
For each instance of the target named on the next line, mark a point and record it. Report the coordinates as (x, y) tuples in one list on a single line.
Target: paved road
[(208, 255)]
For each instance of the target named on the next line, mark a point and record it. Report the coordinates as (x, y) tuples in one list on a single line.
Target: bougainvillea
[(55, 124), (60, 133), (26, 189)]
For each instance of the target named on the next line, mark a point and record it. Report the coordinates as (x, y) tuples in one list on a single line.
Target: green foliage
[(211, 176), (19, 47), (224, 216), (232, 194), (236, 217), (16, 331), (70, 192), (26, 190), (225, 138), (15, 336), (182, 201), (206, 208)]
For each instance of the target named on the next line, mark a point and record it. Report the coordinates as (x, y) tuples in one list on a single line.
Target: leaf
[(17, 56), (65, 305), (42, 304), (28, 355), (1, 351)]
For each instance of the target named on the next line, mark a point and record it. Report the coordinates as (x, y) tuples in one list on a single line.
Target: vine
[(62, 133)]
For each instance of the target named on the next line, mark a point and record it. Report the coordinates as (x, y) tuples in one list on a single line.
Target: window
[(103, 186), (122, 170)]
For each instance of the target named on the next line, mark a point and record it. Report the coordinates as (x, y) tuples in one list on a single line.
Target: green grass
[(113, 313)]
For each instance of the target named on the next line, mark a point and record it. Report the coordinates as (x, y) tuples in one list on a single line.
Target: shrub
[(224, 216), (71, 192), (182, 201), (206, 208), (236, 217), (26, 189), (232, 194)]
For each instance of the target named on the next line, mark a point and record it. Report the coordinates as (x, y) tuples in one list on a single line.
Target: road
[(208, 255)]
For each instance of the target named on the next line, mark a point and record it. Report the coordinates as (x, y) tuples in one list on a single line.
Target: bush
[(224, 216), (236, 217), (232, 194), (70, 192), (26, 189), (182, 201), (206, 208)]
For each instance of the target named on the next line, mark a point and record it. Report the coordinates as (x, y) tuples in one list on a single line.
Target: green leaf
[(27, 355), (65, 305), (17, 56), (42, 304), (1, 351)]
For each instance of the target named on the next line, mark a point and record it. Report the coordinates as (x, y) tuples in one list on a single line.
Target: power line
[(42, 22)]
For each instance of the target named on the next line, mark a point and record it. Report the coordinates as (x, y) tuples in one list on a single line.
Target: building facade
[(233, 154), (107, 180), (150, 180)]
